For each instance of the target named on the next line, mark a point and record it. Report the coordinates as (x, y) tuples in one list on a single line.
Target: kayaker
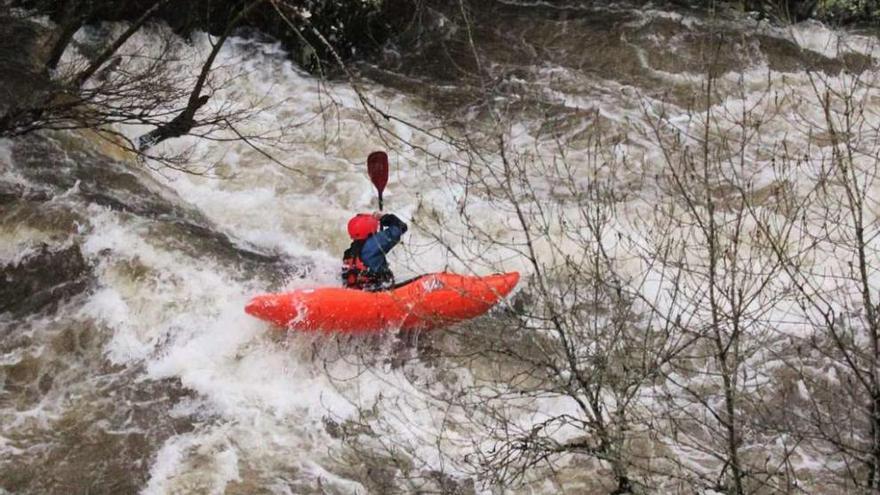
[(372, 237)]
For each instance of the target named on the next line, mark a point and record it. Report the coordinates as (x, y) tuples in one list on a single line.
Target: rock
[(69, 164), (22, 46), (44, 278), (10, 193)]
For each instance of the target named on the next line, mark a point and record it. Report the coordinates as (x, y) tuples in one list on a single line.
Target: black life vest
[(356, 274)]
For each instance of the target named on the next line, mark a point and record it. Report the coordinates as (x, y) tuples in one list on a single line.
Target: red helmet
[(362, 225)]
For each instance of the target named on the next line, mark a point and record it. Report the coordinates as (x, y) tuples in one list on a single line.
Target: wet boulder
[(42, 279), (58, 164), (22, 50)]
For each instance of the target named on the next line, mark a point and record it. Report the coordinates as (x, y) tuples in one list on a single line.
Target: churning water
[(154, 380)]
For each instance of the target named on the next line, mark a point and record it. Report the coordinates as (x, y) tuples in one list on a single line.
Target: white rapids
[(262, 405)]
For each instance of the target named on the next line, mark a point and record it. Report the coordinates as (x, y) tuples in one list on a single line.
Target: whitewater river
[(151, 378)]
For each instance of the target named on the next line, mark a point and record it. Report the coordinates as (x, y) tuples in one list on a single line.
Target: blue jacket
[(377, 245)]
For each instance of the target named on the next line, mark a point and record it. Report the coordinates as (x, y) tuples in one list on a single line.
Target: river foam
[(269, 411)]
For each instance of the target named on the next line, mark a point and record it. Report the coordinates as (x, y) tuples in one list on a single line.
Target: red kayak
[(428, 301)]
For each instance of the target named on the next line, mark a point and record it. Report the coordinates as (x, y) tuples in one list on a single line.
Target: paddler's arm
[(375, 248)]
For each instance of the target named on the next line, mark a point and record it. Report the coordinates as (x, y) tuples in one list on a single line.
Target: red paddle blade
[(377, 167)]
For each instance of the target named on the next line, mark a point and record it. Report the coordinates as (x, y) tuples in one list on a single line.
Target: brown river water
[(131, 368)]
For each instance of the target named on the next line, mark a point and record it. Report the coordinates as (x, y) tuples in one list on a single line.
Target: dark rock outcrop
[(42, 279), (69, 164), (22, 78)]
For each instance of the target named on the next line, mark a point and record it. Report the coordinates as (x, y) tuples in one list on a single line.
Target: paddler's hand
[(378, 215)]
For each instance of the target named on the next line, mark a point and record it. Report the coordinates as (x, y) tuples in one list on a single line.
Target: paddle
[(377, 167)]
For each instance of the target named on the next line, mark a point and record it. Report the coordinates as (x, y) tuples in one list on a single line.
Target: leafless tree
[(652, 340), (667, 352), (832, 256), (729, 288), (583, 339), (112, 84)]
